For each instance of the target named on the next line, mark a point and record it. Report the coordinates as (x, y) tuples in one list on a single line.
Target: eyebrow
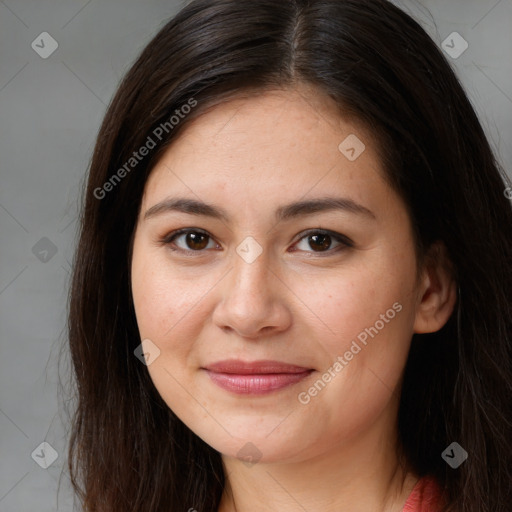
[(283, 213)]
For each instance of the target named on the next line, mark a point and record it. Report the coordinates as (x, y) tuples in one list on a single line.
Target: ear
[(437, 292)]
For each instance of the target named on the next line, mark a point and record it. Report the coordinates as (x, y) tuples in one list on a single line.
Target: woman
[(224, 364)]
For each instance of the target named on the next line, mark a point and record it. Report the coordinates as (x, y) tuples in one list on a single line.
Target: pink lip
[(256, 377)]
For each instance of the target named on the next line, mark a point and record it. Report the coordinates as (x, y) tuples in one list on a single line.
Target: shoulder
[(426, 496)]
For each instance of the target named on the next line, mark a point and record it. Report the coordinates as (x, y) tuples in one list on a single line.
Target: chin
[(252, 446)]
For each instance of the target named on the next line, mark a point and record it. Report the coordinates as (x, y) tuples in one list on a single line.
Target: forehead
[(300, 118), (271, 145)]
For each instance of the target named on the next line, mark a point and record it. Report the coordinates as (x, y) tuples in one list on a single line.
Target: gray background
[(50, 111)]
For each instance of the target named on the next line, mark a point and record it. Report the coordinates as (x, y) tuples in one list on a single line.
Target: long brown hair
[(127, 449)]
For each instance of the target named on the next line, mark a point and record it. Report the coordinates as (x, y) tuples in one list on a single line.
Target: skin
[(294, 303)]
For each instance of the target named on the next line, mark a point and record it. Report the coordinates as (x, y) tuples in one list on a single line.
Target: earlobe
[(438, 291)]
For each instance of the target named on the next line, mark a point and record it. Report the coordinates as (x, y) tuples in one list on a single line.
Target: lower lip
[(256, 384)]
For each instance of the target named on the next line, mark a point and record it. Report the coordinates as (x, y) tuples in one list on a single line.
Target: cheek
[(165, 303), (370, 328), (366, 314), (344, 303), (151, 298), (161, 295)]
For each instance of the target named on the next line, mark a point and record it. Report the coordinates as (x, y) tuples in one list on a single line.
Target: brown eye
[(192, 240), (196, 241), (321, 241)]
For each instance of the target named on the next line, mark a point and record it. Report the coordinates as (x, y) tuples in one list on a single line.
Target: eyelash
[(342, 239)]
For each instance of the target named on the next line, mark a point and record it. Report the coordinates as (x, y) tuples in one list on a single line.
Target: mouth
[(257, 377)]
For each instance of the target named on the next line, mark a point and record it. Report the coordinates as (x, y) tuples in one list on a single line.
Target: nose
[(254, 302)]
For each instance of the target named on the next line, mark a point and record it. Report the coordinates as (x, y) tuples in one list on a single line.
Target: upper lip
[(236, 366)]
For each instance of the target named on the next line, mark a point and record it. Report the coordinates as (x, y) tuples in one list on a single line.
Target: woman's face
[(262, 276)]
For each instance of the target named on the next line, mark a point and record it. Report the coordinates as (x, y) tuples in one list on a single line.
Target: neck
[(358, 476)]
